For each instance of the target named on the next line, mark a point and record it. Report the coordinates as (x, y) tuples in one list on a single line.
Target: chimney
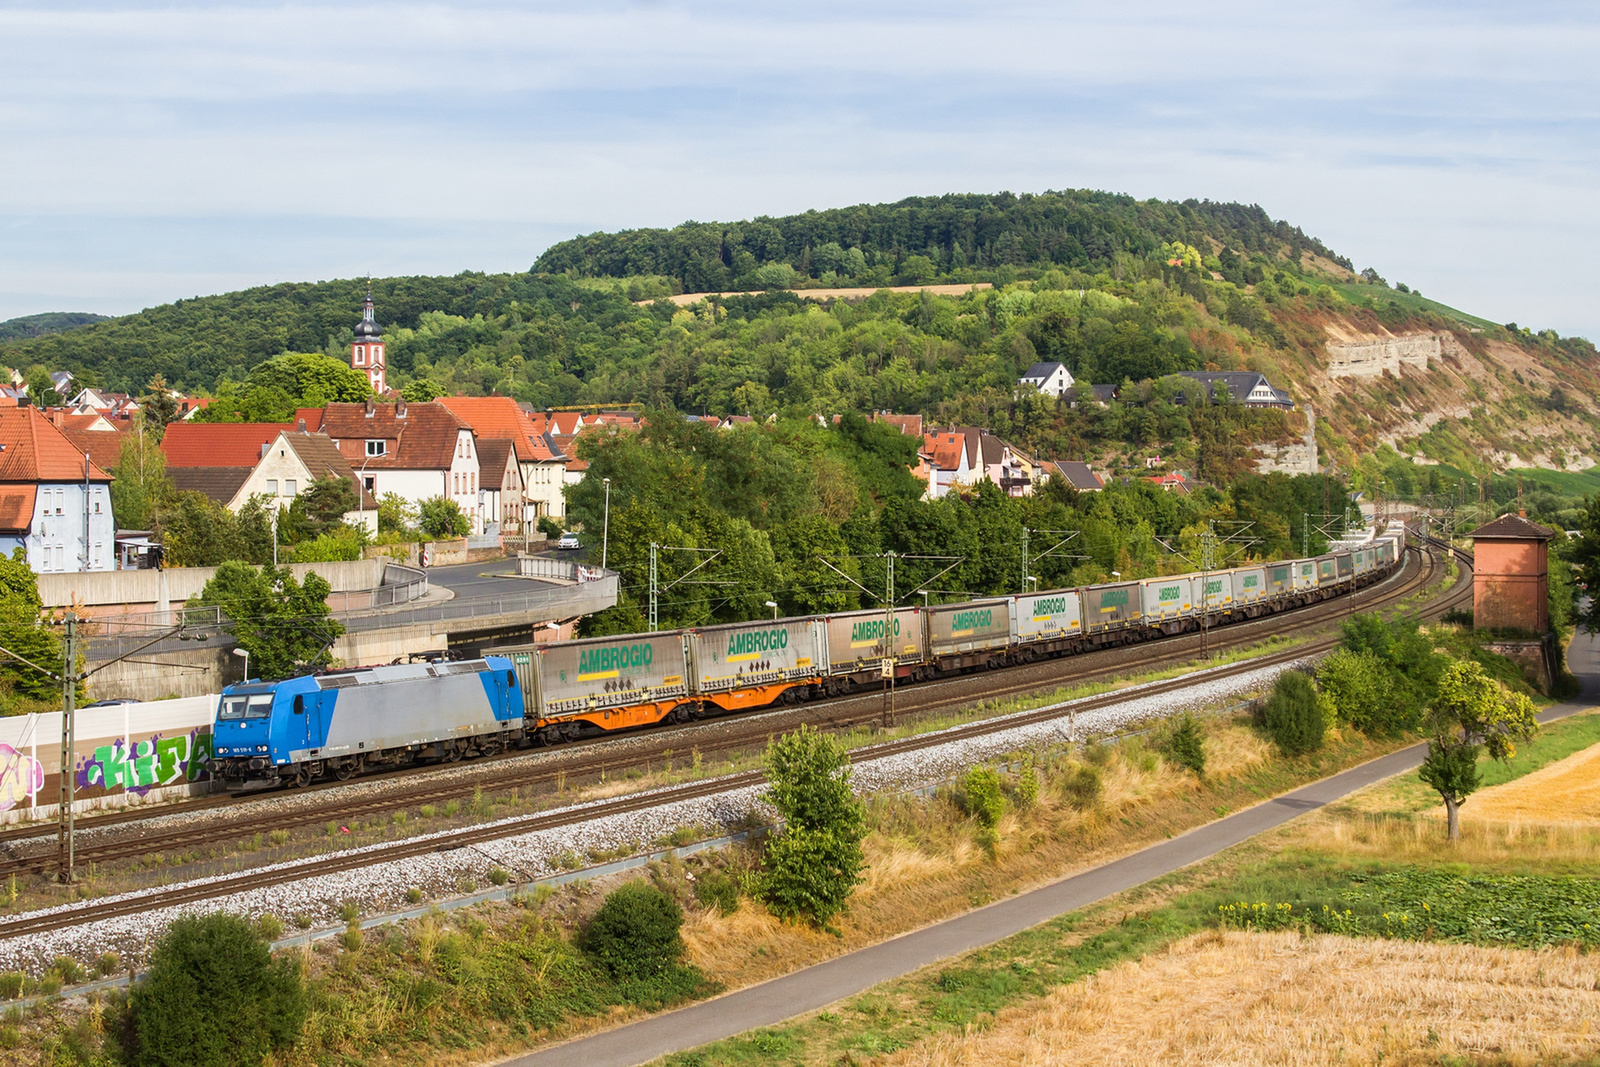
[(1522, 513), (400, 407), (58, 417), (369, 407), (301, 425)]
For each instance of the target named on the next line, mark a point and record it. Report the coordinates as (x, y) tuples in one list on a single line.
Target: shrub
[(1293, 716), (635, 934), (11, 984), (1027, 788), (109, 963), (717, 889), (271, 926), (982, 797), (1082, 787), (814, 865), (69, 969), (209, 970), (1184, 744), (499, 875), (1357, 684)]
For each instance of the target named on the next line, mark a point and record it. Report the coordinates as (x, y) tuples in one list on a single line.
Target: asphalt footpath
[(816, 987)]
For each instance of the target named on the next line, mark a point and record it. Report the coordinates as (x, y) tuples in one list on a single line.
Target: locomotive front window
[(240, 707), (232, 708)]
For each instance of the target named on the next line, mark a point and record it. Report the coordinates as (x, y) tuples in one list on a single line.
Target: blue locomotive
[(339, 723)]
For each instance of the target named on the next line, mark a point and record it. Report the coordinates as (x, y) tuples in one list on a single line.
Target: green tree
[(636, 932), (1360, 687), (320, 509), (1470, 714), (158, 406), (23, 633), (421, 390), (41, 389), (1584, 552), (1295, 717), (440, 517), (139, 483), (285, 625), (210, 968), (396, 514), (815, 863), (196, 531)]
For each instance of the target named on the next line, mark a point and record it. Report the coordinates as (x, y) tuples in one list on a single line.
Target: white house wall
[(55, 540)]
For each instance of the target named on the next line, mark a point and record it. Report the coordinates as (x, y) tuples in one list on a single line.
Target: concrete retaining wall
[(126, 592)]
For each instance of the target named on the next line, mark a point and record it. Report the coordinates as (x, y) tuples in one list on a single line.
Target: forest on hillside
[(959, 237), (1110, 286)]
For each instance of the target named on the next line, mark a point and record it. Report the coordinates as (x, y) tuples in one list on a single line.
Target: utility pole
[(1024, 561), (66, 843), (1208, 562), (653, 590), (888, 639)]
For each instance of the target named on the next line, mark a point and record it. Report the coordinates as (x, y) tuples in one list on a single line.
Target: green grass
[(1563, 483), (1556, 741), (1361, 294)]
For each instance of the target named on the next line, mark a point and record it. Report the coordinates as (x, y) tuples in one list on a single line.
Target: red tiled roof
[(501, 418), (219, 444), (419, 436), (566, 423), (16, 508), (33, 450), (104, 448), (1512, 528)]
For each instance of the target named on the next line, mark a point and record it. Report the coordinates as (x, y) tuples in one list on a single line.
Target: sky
[(149, 153)]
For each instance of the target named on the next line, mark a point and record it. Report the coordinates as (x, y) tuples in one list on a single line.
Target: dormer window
[(378, 447)]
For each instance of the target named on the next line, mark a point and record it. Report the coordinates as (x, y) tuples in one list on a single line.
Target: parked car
[(568, 543), (113, 702)]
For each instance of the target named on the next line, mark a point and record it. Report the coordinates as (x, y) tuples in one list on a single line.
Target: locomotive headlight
[(261, 748)]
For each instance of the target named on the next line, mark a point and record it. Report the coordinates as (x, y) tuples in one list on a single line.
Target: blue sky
[(149, 153)]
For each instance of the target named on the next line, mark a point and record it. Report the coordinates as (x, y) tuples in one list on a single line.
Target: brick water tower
[(1511, 592)]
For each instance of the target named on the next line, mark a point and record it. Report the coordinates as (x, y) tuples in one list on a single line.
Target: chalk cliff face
[(1367, 356), (1439, 394)]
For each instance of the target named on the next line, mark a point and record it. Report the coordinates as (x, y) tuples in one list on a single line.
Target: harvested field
[(1244, 998), (1566, 791)]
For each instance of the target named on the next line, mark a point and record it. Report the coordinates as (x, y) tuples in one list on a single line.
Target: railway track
[(469, 836), (31, 849)]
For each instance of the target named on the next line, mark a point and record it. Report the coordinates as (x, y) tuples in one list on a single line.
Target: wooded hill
[(1122, 291)]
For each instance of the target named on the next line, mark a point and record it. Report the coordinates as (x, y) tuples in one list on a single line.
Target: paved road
[(821, 985)]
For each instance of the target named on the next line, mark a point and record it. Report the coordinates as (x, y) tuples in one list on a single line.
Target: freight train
[(340, 723)]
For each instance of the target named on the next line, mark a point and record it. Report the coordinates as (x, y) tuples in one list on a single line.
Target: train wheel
[(302, 777), (345, 770)]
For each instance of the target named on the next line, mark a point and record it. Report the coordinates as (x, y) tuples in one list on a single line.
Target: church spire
[(366, 352)]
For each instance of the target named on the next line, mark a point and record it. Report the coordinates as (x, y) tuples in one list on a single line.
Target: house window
[(372, 482), (359, 358), (377, 448), (290, 486), (474, 486), (272, 487)]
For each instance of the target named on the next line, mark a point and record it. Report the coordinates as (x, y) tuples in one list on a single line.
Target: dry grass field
[(1281, 999), (1567, 791)]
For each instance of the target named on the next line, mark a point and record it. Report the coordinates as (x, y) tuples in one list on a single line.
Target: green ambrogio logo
[(972, 620), (614, 658), (1055, 605), (1213, 586), (1114, 598), (871, 630), (1252, 580), (1171, 592), (752, 641)]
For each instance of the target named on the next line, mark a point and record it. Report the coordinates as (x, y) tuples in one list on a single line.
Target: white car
[(568, 542)]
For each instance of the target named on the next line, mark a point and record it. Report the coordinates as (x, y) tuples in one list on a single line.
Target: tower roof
[(367, 329), (1512, 528)]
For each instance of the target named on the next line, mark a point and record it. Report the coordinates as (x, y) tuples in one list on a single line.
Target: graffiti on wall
[(20, 775), (158, 761)]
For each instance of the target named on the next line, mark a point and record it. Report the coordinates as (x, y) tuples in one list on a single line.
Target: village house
[(1051, 379), (541, 466), (417, 451), (968, 455), (55, 504)]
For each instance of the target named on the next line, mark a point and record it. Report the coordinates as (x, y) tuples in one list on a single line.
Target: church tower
[(366, 353)]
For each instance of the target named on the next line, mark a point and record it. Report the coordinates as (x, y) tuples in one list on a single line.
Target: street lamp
[(1116, 574), (605, 527), (246, 654), (923, 593), (773, 604)]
